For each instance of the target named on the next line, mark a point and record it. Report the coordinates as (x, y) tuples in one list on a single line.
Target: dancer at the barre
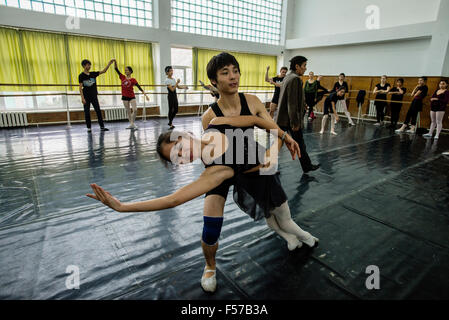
[(128, 96), (218, 150), (418, 94), (381, 90), (397, 94), (276, 82), (341, 104), (330, 107), (213, 91), (89, 94), (172, 84), (292, 109), (311, 89), (438, 104)]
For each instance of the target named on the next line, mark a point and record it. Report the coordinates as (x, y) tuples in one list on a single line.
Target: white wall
[(412, 38), (324, 17), (401, 58)]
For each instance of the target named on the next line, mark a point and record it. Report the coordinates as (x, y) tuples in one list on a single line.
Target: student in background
[(89, 94), (172, 84), (397, 94), (418, 94), (128, 96), (381, 90), (342, 100), (438, 104), (330, 107), (311, 89), (276, 82)]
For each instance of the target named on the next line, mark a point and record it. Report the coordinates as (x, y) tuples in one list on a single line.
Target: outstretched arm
[(107, 67), (209, 179)]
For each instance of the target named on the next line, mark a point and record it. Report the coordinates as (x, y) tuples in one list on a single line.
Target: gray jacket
[(291, 102)]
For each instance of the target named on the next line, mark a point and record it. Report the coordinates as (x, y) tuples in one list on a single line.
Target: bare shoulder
[(207, 117), (256, 106)]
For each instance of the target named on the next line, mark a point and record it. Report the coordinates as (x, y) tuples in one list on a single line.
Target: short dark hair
[(444, 80), (401, 80), (298, 60), (342, 74), (168, 68), (384, 76), (130, 69), (284, 68), (220, 61), (84, 62), (423, 77)]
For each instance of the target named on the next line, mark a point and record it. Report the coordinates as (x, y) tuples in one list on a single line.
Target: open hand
[(105, 197)]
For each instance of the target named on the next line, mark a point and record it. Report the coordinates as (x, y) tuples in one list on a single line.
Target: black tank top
[(249, 144), (243, 112)]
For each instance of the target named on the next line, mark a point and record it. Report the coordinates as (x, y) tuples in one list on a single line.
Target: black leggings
[(96, 106), (395, 111), (305, 161), (380, 107), (172, 106), (413, 111), (310, 101)]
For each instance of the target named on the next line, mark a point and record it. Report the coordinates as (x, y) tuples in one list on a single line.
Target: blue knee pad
[(211, 229)]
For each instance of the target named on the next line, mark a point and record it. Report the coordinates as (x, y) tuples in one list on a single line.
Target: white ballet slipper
[(310, 240), (209, 284)]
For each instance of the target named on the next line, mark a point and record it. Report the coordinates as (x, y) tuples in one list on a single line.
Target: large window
[(135, 12), (249, 20)]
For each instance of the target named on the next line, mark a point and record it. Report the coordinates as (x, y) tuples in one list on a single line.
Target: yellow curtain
[(12, 69), (99, 52), (252, 67), (42, 57), (139, 56), (45, 58)]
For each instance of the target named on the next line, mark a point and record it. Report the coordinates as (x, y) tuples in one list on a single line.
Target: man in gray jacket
[(292, 108)]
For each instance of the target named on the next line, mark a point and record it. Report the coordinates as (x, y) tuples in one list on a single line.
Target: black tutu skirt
[(257, 194)]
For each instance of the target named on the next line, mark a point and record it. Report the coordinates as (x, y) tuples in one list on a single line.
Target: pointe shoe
[(411, 130), (293, 244), (209, 284), (436, 138), (401, 129), (321, 132), (311, 241), (427, 135)]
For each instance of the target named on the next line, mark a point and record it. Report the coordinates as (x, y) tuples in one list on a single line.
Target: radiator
[(372, 109), (13, 119), (116, 114)]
